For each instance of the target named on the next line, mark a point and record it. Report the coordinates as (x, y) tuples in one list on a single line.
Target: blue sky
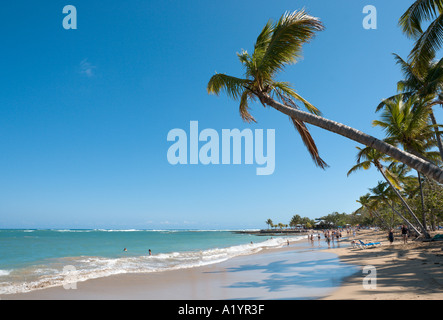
[(84, 114)]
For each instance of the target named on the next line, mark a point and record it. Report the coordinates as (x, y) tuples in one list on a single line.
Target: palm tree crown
[(278, 44), (407, 123)]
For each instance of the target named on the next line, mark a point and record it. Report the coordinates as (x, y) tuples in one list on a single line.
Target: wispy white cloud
[(87, 68)]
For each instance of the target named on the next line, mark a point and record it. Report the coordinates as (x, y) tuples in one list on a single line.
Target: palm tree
[(278, 45), (371, 206), (428, 42), (269, 223), (295, 220), (381, 192), (427, 86), (406, 123), (373, 157)]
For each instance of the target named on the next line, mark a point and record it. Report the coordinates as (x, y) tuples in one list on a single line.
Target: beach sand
[(412, 271), (300, 271)]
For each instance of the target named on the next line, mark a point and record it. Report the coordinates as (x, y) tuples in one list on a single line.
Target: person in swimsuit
[(404, 233)]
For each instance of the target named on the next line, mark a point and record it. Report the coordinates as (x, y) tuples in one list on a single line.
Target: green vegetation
[(408, 121), (295, 222)]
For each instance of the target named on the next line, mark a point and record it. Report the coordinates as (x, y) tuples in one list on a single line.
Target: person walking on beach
[(404, 233), (391, 236)]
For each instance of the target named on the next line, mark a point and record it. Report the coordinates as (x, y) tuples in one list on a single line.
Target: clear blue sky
[(84, 114)]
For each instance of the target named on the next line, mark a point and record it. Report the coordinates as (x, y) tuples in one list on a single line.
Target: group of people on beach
[(404, 234), (330, 235)]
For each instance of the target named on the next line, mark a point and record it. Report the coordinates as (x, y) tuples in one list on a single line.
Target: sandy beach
[(303, 270), (411, 271)]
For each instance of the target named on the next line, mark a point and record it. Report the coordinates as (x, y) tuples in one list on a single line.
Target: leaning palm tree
[(407, 123), (381, 192), (428, 41), (278, 45), (367, 157)]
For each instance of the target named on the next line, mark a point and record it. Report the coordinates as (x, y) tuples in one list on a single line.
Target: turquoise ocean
[(32, 259)]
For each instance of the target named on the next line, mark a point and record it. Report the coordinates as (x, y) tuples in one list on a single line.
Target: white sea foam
[(95, 267), (4, 272)]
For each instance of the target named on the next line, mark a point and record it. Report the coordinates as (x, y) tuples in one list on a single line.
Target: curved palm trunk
[(423, 229), (383, 222), (410, 225), (428, 169), (422, 198)]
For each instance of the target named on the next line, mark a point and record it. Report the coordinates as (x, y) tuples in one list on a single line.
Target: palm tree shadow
[(281, 266), (281, 275)]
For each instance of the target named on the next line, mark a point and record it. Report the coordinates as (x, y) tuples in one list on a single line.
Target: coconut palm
[(269, 223), (278, 45), (427, 86), (381, 192), (428, 41), (367, 157), (407, 123), (371, 206), (295, 220)]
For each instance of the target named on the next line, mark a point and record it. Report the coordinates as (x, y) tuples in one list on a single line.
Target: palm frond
[(244, 107), (284, 88), (419, 11), (232, 86), (262, 41), (427, 44), (365, 165), (407, 69), (284, 46), (401, 96), (309, 143)]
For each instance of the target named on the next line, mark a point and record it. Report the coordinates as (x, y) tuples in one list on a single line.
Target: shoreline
[(290, 272), (412, 271)]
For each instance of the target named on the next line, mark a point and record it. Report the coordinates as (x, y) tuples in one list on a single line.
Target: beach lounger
[(437, 237), (369, 244)]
